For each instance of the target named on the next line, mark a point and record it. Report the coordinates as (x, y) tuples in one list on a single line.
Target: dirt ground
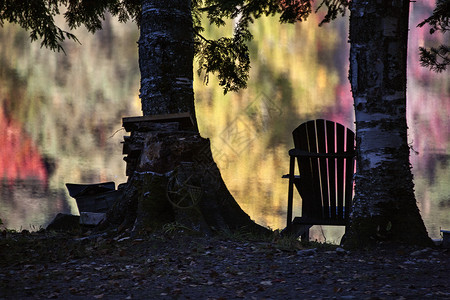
[(175, 265)]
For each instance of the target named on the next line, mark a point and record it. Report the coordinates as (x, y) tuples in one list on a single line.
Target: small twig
[(116, 132)]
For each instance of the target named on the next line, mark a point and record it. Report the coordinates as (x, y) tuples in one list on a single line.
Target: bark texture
[(166, 54), (384, 205), (175, 179), (172, 174)]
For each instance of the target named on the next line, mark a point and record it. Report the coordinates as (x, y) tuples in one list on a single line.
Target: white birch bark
[(384, 203)]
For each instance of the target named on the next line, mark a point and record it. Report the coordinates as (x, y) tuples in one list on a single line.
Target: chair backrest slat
[(326, 182), (349, 171), (321, 138), (340, 146), (317, 207), (331, 147)]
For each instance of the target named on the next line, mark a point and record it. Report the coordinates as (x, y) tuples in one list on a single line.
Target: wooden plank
[(91, 219), (331, 148), (98, 203), (184, 119), (316, 196), (132, 162), (132, 149), (323, 167), (153, 126), (302, 153), (290, 191), (349, 171), (300, 136), (340, 180), (78, 190)]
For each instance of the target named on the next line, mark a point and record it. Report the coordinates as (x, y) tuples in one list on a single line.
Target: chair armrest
[(287, 176)]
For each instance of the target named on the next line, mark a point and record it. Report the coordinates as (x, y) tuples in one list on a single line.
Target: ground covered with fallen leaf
[(50, 265)]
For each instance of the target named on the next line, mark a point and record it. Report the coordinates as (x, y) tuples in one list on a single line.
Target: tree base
[(400, 229), (175, 179)]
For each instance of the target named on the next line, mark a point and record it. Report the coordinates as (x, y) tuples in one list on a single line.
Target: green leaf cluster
[(38, 17), (439, 20), (437, 58)]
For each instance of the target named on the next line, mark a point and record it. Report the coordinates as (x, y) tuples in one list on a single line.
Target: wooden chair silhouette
[(325, 152)]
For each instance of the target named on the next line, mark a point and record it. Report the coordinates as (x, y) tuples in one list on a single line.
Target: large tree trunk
[(166, 53), (384, 204), (174, 177)]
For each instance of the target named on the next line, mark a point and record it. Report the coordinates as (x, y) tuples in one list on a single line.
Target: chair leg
[(305, 236), (344, 236), (290, 192)]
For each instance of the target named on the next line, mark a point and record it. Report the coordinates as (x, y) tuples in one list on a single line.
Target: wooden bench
[(325, 154)]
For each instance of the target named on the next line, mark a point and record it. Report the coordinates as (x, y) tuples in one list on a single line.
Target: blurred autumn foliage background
[(60, 115)]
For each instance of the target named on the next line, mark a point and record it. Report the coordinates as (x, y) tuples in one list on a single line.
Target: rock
[(307, 252), (420, 252), (341, 251), (64, 222), (91, 219)]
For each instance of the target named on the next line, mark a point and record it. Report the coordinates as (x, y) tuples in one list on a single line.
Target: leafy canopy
[(228, 57), (37, 16)]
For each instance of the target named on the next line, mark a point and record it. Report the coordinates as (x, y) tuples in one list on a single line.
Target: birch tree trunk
[(384, 203)]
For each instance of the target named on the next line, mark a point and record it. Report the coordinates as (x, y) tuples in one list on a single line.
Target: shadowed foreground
[(174, 265)]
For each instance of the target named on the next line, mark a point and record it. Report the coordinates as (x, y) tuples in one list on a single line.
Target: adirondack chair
[(325, 153)]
